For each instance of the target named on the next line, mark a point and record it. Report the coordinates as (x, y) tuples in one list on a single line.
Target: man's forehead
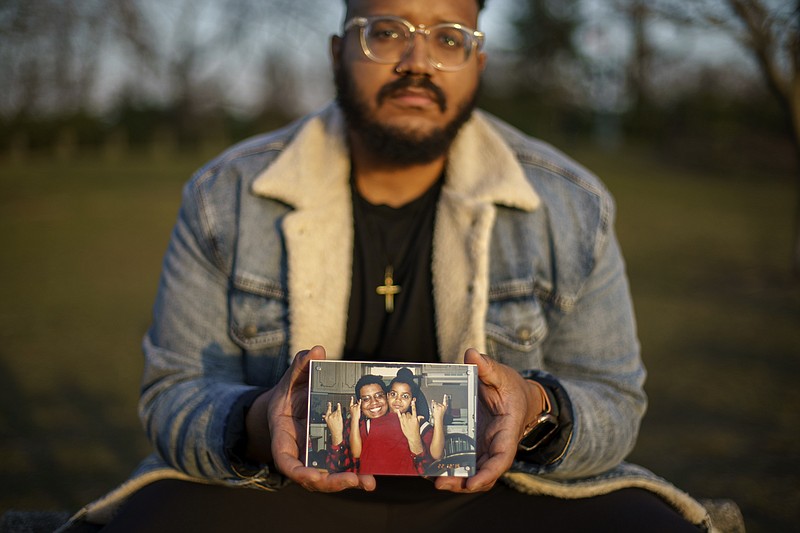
[(371, 388), (463, 11)]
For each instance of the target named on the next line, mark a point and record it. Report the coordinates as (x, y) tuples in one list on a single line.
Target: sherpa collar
[(312, 175), (481, 166)]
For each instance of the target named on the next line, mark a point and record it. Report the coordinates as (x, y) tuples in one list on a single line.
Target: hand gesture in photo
[(355, 432), (355, 410), (335, 423), (438, 410), (409, 423)]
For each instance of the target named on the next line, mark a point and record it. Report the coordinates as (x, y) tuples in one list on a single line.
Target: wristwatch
[(543, 426)]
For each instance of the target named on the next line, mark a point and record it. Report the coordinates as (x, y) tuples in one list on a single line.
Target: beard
[(393, 145)]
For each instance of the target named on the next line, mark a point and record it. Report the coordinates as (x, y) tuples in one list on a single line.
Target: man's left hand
[(506, 402), (281, 438)]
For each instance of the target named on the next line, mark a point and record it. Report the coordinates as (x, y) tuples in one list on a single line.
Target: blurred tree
[(51, 50), (195, 60), (769, 30), (544, 84), (639, 72)]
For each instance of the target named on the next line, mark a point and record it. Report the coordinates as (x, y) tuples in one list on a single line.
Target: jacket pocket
[(515, 325), (259, 324)]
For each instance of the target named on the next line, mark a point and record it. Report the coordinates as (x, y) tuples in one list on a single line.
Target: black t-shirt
[(401, 238)]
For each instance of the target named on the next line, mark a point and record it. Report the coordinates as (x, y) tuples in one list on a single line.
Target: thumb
[(487, 368), (302, 359)]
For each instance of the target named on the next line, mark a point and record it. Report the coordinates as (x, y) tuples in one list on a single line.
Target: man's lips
[(413, 92), (413, 98)]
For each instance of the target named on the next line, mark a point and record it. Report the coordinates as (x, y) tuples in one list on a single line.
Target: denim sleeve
[(193, 374), (593, 353)]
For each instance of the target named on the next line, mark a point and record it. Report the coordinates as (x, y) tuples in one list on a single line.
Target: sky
[(304, 42)]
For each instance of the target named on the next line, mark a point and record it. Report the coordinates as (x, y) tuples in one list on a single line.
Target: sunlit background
[(685, 108)]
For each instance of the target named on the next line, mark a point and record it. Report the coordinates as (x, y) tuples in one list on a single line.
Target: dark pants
[(402, 505)]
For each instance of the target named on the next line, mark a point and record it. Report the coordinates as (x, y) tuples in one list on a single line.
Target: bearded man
[(397, 224)]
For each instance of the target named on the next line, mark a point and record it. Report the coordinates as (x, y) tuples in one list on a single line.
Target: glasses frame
[(476, 39), (377, 397)]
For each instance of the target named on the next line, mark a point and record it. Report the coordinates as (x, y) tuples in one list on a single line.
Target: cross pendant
[(388, 289)]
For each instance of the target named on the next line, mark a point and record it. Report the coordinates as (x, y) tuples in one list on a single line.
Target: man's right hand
[(276, 428), (355, 410), (333, 419)]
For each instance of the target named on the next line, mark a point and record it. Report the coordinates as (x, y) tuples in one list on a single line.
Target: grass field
[(719, 321)]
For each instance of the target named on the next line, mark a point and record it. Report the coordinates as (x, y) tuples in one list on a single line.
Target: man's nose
[(415, 60)]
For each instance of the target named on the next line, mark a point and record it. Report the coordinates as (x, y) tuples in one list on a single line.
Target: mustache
[(416, 83)]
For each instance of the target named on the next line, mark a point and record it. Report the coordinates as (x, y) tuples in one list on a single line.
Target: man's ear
[(481, 61), (336, 50)]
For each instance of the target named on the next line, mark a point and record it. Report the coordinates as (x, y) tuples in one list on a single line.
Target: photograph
[(402, 419)]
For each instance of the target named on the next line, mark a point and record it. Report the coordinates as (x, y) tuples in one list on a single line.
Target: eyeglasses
[(386, 39), (378, 396), (394, 395)]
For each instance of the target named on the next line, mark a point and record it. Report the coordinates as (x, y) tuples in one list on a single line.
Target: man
[(397, 224), (372, 403)]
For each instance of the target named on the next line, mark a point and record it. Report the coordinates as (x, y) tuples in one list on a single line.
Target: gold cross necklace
[(382, 234), (388, 289)]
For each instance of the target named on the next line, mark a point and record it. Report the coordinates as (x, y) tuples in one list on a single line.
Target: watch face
[(545, 428)]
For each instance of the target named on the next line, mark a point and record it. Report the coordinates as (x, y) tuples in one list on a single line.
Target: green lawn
[(719, 321)]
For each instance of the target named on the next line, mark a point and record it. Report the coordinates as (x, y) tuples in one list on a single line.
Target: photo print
[(404, 419)]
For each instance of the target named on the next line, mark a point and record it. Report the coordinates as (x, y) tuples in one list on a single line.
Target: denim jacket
[(526, 268)]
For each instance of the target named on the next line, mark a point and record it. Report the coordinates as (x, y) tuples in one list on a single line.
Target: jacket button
[(250, 331), (524, 333)]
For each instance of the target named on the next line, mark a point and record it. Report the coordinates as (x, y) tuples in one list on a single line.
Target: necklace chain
[(411, 220)]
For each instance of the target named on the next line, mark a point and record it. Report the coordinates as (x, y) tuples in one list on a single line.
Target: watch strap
[(544, 425), (551, 452)]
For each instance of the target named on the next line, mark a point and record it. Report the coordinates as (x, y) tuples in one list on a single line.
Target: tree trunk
[(796, 244), (794, 109)]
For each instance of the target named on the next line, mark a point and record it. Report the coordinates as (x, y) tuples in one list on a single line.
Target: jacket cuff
[(551, 452), (236, 435)]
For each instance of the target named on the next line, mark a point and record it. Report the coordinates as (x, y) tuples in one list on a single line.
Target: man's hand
[(506, 404), (355, 410), (276, 426), (333, 419)]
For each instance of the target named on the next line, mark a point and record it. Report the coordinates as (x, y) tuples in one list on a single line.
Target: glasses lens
[(449, 46), (387, 39), (375, 397)]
